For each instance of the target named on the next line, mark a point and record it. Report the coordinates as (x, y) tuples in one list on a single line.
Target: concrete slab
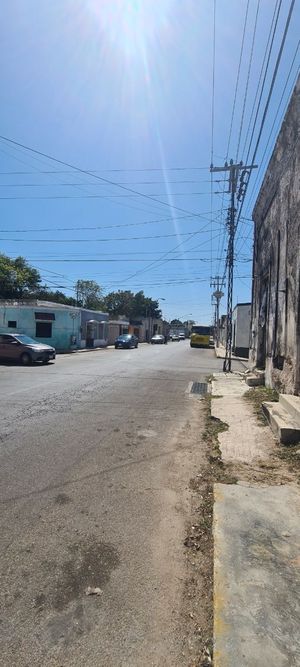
[(256, 576), (245, 440), (230, 384)]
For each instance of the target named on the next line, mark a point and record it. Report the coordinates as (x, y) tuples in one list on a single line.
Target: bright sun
[(132, 25)]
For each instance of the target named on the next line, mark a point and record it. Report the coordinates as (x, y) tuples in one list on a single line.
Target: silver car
[(18, 347)]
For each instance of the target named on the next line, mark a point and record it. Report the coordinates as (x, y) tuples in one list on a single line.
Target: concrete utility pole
[(234, 170), (216, 298)]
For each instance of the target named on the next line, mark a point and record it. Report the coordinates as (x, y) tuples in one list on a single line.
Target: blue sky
[(123, 88)]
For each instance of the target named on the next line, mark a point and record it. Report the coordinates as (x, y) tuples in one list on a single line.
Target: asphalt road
[(97, 451)]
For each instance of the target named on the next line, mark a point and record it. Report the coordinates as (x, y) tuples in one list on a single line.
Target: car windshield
[(125, 336), (201, 330), (26, 339)]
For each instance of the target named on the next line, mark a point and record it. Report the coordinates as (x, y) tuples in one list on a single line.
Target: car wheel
[(26, 359), (136, 345)]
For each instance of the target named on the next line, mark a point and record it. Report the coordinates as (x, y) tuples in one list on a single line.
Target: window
[(6, 339), (43, 329), (12, 324)]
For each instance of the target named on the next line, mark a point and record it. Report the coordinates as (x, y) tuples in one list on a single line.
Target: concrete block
[(254, 380), (283, 425), (292, 405)]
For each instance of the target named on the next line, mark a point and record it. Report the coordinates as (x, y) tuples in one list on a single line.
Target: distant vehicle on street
[(200, 335), (174, 336), (181, 335), (128, 341), (26, 350), (157, 339)]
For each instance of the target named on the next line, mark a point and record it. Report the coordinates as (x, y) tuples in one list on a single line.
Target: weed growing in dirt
[(214, 426), (291, 455), (256, 396)]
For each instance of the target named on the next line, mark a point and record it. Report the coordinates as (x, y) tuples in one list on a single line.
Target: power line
[(274, 121), (85, 240), (267, 101), (212, 116), (97, 185), (152, 195), (126, 224), (260, 77), (247, 81), (248, 237), (101, 178), (79, 187), (238, 77), (221, 246), (273, 79), (102, 171)]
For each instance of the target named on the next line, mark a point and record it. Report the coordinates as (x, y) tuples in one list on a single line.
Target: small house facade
[(64, 327)]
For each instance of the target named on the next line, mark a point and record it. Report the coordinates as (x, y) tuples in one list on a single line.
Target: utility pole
[(216, 283), (234, 171)]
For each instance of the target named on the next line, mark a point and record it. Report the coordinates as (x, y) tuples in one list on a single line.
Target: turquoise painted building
[(63, 327)]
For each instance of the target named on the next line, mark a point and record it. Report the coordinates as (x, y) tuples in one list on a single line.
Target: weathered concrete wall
[(241, 329), (275, 326)]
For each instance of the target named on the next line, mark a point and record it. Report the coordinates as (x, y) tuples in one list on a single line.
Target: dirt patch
[(213, 426), (283, 464), (290, 455), (198, 546), (198, 543)]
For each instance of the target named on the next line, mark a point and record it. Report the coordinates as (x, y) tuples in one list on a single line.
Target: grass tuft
[(257, 396)]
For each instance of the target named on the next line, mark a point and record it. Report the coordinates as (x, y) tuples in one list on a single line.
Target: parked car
[(157, 339), (18, 347), (126, 340), (181, 335), (174, 336)]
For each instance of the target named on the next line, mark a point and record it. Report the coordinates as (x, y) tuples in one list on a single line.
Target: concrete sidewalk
[(256, 546), (220, 354)]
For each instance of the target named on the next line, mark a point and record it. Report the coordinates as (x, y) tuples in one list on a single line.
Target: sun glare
[(129, 23)]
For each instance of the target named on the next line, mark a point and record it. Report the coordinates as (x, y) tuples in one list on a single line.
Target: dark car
[(126, 340), (18, 347), (157, 339)]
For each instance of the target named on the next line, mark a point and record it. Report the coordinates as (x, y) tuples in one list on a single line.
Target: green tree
[(125, 302), (176, 323), (18, 279), (89, 294), (58, 297)]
